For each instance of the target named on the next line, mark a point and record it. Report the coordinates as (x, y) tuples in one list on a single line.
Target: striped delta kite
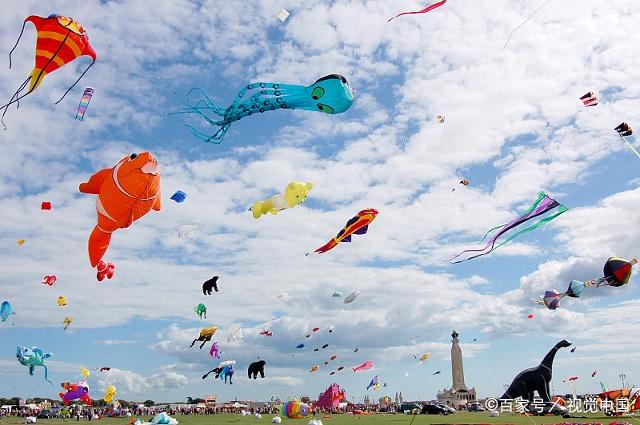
[(60, 41)]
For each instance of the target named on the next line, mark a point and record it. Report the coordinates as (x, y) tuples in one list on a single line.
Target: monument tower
[(458, 394)]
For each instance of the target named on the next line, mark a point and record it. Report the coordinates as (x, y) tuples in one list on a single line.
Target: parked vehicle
[(476, 407), (434, 409), (46, 414), (447, 408)]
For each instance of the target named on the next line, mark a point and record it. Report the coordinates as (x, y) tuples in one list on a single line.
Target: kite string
[(525, 21), (629, 144), (77, 81)]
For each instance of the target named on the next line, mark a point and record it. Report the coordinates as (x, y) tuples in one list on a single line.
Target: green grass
[(458, 418)]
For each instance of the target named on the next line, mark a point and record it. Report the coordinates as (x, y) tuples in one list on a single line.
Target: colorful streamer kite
[(544, 209), (624, 130), (60, 41), (84, 103), (425, 10)]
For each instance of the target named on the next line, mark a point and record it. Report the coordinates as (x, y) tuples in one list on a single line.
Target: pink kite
[(215, 350), (425, 10), (364, 366)]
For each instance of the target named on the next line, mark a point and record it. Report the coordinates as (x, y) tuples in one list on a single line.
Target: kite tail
[(210, 105), (17, 97), (17, 41), (624, 139), (46, 375), (216, 138), (207, 374), (542, 222), (74, 84)]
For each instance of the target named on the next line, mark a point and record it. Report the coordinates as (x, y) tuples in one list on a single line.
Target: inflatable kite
[(314, 368), (424, 357), (85, 372), (374, 383), (49, 280), (589, 99), (295, 409), (209, 284), (46, 206), (266, 333), (162, 419), (62, 301), (200, 310), (179, 196), (617, 272), (364, 366), (205, 335), (79, 391), (105, 269), (256, 368), (331, 95), (440, 119), (67, 322), (351, 297), (84, 103), (20, 242), (294, 194), (109, 394), (215, 350), (5, 310), (32, 357), (544, 209), (223, 371), (624, 131), (425, 10), (630, 395), (358, 225), (125, 192), (463, 182), (437, 372), (186, 231), (336, 294), (105, 369), (60, 41)]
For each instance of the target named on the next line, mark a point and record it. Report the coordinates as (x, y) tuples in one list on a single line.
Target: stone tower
[(457, 371)]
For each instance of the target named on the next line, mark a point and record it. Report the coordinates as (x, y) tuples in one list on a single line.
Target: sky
[(514, 126)]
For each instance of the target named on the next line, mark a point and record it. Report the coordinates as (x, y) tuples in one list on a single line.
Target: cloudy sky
[(514, 125)]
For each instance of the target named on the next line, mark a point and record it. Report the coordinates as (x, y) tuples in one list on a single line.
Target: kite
[(200, 310), (358, 225), (301, 345), (424, 357), (125, 192), (209, 284), (256, 368), (618, 397), (332, 358), (84, 103), (105, 369), (594, 373), (105, 269), (20, 242), (351, 297), (624, 131), (437, 372), (46, 206), (62, 301), (283, 295), (425, 10), (109, 394), (49, 280), (294, 409), (373, 383), (283, 15), (295, 193), (573, 350), (235, 334), (440, 119), (67, 322), (314, 368), (314, 330), (589, 99), (5, 310), (85, 372), (463, 182), (32, 357), (356, 350), (364, 366), (186, 231), (336, 294), (79, 391), (530, 316), (60, 40), (266, 333), (223, 371), (179, 196), (318, 348), (544, 209), (573, 378), (205, 335), (215, 350), (525, 21), (617, 272), (331, 95)]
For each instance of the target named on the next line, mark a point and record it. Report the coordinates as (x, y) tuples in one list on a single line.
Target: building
[(458, 394)]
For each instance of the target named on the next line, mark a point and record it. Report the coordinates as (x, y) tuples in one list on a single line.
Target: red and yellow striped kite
[(60, 41)]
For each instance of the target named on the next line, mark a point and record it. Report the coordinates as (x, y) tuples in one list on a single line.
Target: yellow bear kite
[(294, 194)]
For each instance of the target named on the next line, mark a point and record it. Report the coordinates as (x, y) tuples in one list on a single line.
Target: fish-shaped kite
[(544, 209), (364, 366), (358, 225)]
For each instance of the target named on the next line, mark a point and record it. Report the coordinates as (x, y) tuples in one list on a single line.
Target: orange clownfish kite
[(60, 41), (357, 225), (125, 192)]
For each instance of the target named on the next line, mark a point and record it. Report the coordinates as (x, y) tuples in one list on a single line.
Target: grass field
[(458, 418)]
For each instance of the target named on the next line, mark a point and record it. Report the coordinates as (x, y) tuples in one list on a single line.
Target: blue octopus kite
[(331, 95)]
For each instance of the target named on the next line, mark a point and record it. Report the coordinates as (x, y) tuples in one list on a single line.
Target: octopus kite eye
[(133, 156), (317, 93), (325, 108)]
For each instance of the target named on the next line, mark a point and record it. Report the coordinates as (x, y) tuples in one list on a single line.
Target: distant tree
[(198, 400), (189, 400), (125, 404), (149, 403)]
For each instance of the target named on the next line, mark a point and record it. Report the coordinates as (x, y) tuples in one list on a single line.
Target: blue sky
[(514, 126)]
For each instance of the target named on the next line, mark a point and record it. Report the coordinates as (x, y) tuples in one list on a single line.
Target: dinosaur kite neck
[(547, 362)]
